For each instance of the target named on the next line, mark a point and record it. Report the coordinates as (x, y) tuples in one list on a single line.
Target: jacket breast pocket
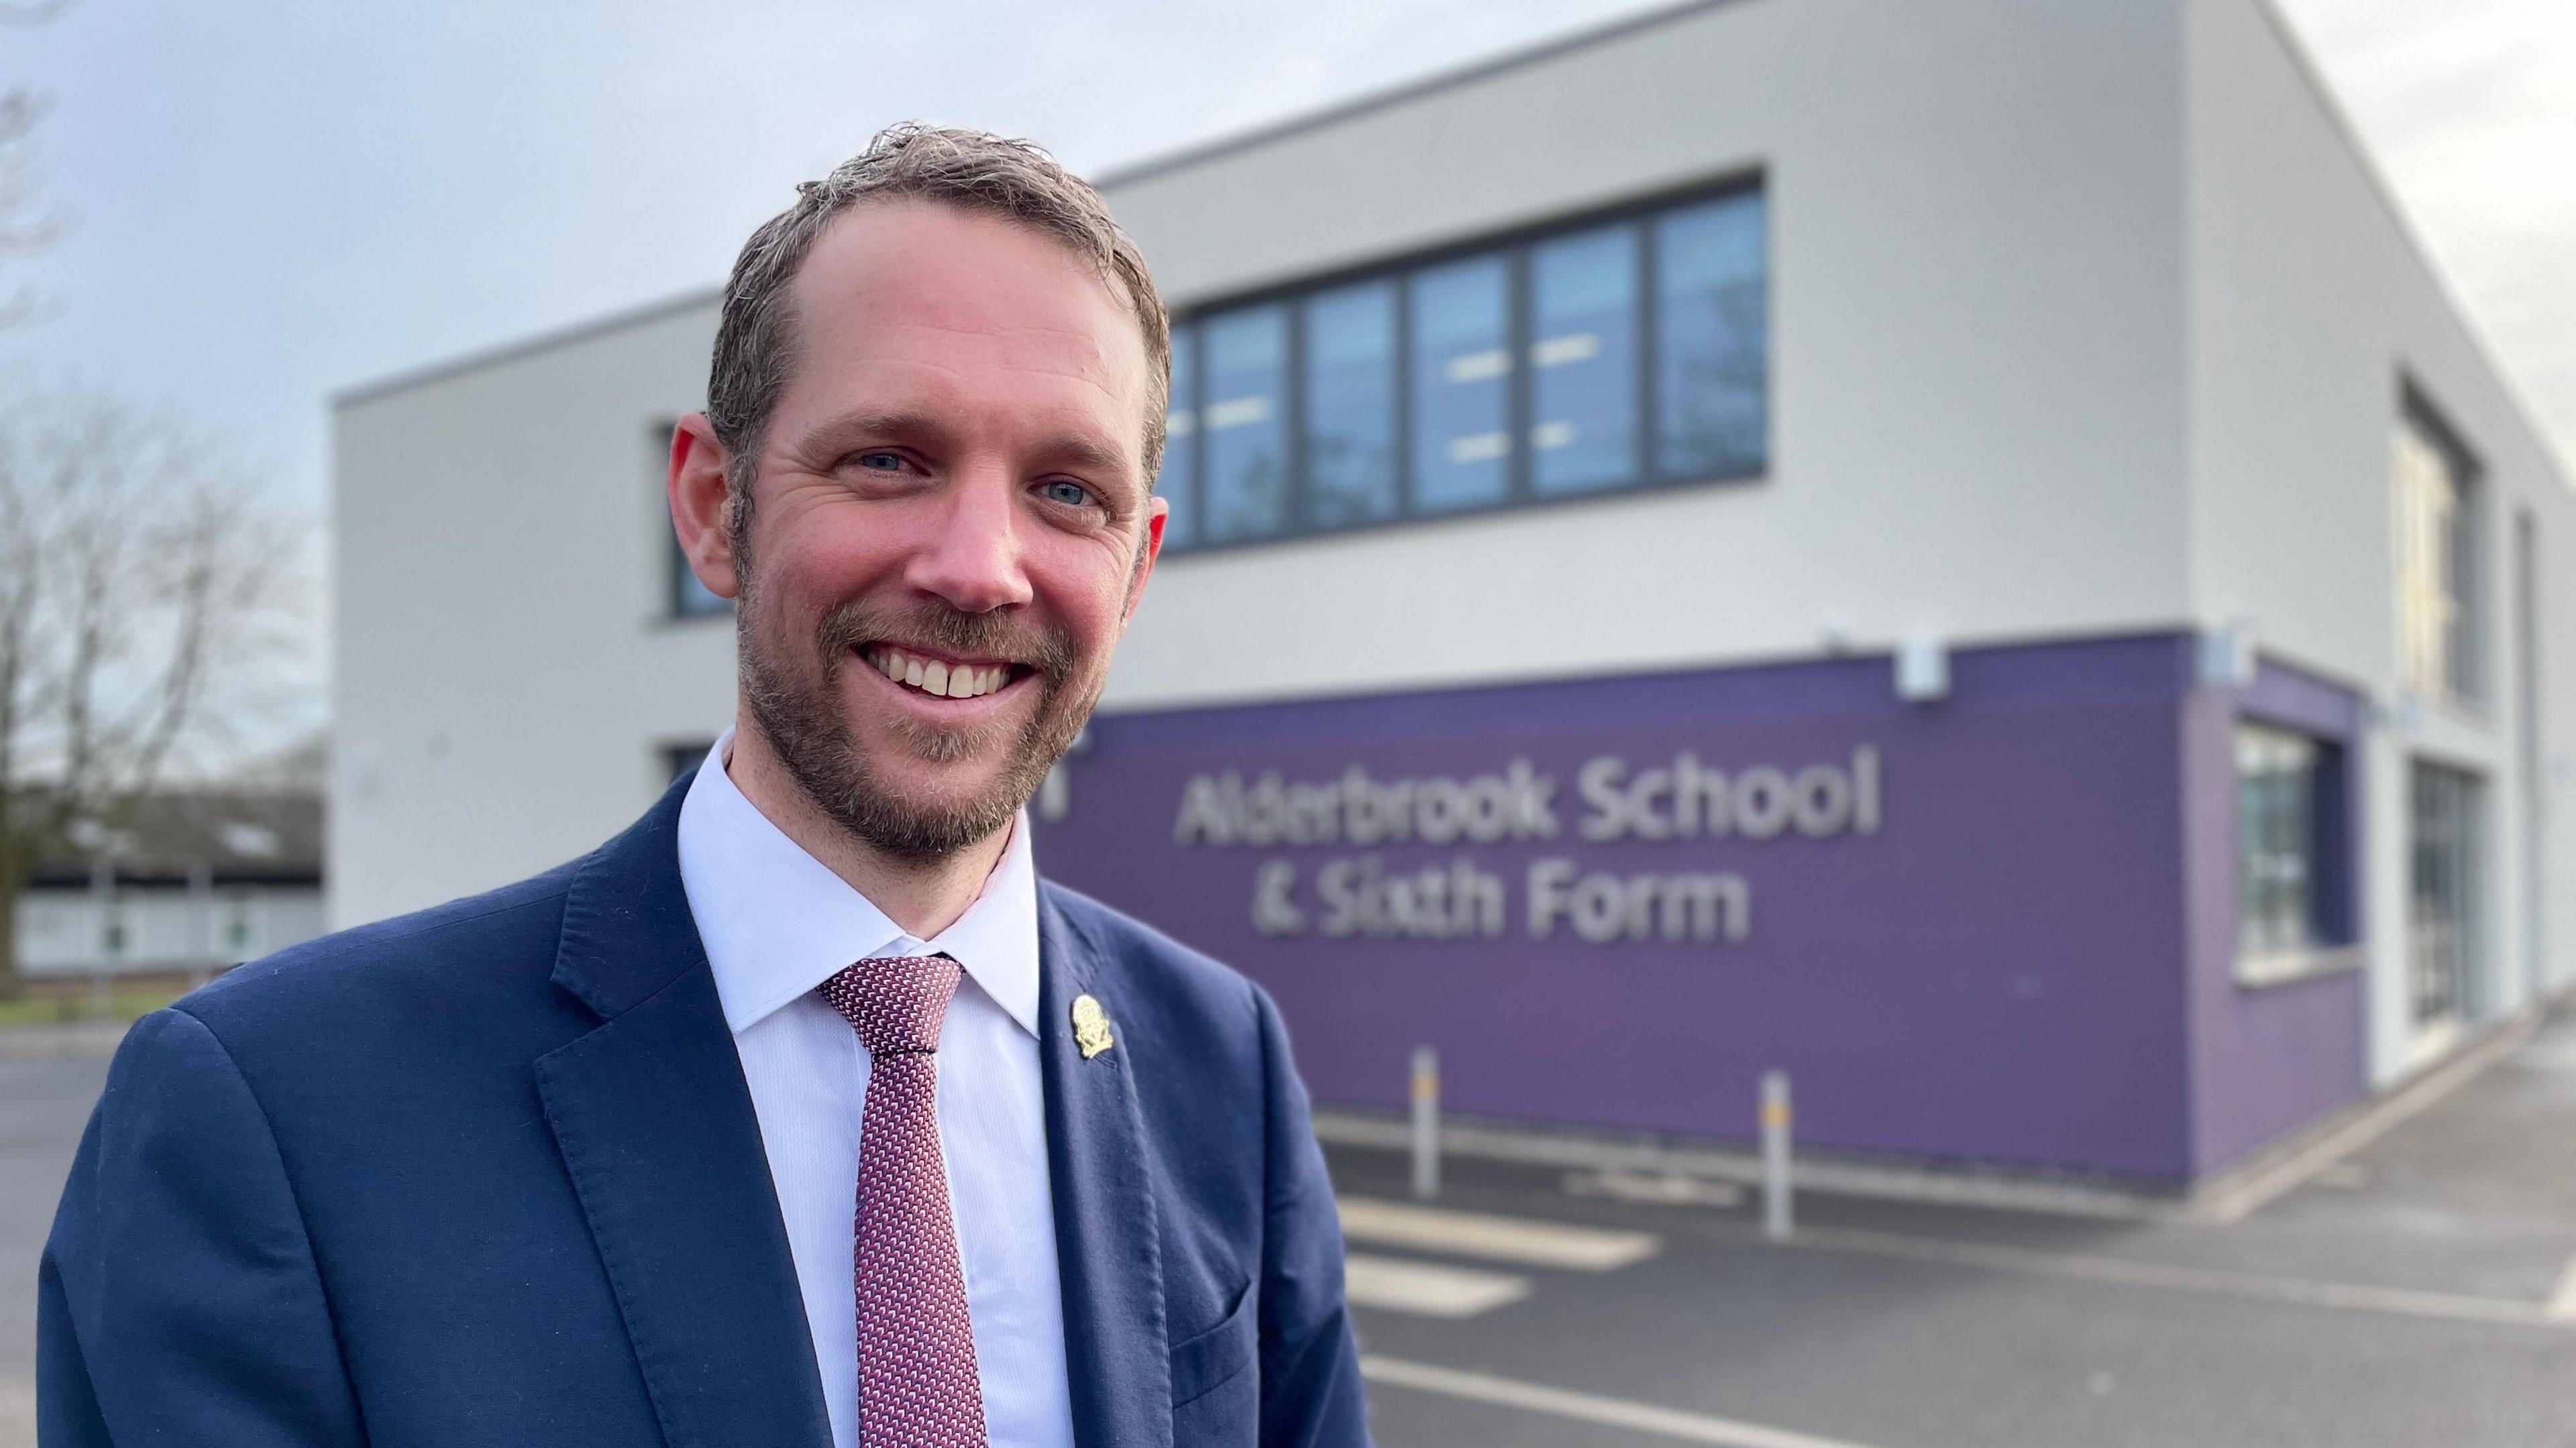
[(1216, 1397)]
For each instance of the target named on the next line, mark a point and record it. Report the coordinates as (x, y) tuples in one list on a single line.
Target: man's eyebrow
[(851, 428), (1084, 453)]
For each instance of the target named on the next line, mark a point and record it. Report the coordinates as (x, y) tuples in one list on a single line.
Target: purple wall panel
[(2264, 1059), (1995, 973)]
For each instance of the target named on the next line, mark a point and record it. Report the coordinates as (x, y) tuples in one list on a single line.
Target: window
[(1349, 383), (1713, 348), (2436, 558), (1583, 361), (685, 596), (1462, 369), (1246, 423), (2442, 925), (1606, 354), (2290, 848)]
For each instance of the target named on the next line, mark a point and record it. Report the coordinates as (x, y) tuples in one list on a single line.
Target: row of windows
[(1606, 356)]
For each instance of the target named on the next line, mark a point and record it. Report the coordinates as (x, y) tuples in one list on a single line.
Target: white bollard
[(1426, 1122), (1775, 1154)]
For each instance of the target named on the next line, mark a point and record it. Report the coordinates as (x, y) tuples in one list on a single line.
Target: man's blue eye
[(881, 461), (1073, 494)]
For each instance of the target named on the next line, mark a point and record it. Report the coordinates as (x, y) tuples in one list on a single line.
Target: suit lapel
[(657, 1130), (1108, 1241)]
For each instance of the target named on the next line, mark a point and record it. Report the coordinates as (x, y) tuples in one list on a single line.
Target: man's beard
[(811, 737)]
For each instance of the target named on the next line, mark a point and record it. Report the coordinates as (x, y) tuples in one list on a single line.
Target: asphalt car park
[(2417, 1290)]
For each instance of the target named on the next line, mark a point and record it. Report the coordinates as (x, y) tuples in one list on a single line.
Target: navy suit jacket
[(489, 1174)]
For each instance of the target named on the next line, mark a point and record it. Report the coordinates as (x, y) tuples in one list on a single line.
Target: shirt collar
[(776, 922)]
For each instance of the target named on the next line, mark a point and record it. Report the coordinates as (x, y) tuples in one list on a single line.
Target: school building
[(1961, 551)]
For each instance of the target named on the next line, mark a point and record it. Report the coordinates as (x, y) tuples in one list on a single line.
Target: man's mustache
[(938, 628)]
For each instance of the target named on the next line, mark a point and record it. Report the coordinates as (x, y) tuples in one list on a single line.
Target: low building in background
[(193, 883), (1961, 552)]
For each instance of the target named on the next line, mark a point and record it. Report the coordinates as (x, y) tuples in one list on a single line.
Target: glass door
[(2442, 939)]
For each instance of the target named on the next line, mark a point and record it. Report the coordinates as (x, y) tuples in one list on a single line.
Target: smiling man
[(803, 1112)]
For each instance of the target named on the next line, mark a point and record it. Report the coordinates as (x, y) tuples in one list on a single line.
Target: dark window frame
[(1515, 246)]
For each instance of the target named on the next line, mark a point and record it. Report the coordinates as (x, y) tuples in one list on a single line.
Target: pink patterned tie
[(917, 1386)]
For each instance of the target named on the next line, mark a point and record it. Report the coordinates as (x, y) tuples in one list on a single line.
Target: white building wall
[(1977, 381), (2086, 319), (2309, 303), (506, 668), (1977, 375)]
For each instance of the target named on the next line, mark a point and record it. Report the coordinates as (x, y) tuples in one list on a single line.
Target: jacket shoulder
[(504, 937)]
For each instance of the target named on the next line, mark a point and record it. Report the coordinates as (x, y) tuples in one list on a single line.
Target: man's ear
[(1157, 512), (699, 504)]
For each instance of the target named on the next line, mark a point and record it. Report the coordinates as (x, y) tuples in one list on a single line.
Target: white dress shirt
[(776, 924)]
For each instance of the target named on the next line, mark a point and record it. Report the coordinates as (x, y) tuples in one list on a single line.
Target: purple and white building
[(1962, 552)]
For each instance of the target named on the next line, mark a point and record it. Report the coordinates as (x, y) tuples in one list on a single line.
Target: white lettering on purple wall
[(1220, 809), (1682, 800), (1688, 800), (1360, 897)]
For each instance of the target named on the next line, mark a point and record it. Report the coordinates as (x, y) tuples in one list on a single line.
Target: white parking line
[(2562, 1303), (2131, 1272), (1527, 1241), (1659, 1189), (1589, 1407), (1426, 1289)]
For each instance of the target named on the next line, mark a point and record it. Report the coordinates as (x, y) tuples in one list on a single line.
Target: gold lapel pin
[(1090, 1027)]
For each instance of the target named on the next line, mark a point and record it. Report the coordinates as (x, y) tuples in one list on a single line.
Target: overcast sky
[(277, 199)]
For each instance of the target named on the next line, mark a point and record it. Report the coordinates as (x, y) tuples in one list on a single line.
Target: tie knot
[(895, 1002)]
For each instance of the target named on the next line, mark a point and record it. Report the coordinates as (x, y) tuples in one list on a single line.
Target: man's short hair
[(756, 340)]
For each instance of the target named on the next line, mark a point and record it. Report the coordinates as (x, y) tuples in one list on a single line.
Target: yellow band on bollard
[(1775, 1113)]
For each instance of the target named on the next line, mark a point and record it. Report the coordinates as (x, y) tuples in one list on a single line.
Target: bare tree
[(27, 223), (138, 579), (27, 226)]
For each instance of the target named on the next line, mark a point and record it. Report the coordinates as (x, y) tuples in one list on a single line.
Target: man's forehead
[(930, 284), (883, 253)]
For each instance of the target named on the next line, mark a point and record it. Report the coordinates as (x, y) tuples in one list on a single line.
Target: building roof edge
[(1399, 93), (361, 393), (2418, 246), (358, 394)]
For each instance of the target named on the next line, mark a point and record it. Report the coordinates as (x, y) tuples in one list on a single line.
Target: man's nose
[(971, 558)]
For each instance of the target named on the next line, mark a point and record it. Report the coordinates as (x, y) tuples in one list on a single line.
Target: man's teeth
[(936, 676)]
